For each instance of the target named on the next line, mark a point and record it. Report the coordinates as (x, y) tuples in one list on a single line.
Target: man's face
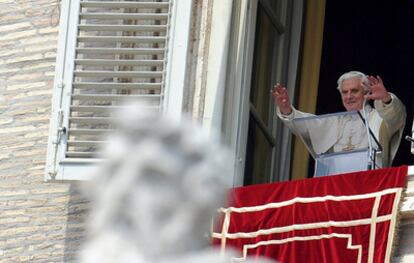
[(352, 94)]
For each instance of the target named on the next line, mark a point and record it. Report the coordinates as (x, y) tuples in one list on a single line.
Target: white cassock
[(347, 132)]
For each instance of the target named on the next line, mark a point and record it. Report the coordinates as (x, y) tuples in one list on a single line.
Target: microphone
[(371, 133), (371, 155), (411, 139), (408, 138)]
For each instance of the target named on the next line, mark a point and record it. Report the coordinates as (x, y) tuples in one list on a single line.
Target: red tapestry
[(340, 218)]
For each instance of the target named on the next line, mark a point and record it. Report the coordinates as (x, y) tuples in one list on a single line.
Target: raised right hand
[(281, 98)]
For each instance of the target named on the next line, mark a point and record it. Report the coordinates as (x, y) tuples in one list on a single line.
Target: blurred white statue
[(154, 198)]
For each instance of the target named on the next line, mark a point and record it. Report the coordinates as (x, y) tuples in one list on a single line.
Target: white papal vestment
[(345, 133)]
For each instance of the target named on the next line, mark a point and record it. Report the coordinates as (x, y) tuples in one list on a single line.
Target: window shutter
[(119, 57), (115, 53)]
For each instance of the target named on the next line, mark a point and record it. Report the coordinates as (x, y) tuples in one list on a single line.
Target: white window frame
[(59, 168), (236, 113), (235, 121)]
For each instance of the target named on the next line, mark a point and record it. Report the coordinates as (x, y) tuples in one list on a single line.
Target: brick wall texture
[(39, 222), (44, 222)]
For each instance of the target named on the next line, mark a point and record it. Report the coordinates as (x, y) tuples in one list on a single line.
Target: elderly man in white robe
[(386, 119)]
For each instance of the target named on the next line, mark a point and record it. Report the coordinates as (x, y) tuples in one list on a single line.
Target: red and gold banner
[(340, 218)]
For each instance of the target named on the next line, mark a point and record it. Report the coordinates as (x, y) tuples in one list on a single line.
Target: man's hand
[(281, 98), (377, 90)]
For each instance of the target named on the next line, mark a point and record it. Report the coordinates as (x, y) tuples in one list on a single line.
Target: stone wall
[(43, 222), (39, 222)]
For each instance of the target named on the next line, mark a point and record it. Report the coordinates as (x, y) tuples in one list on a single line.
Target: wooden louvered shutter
[(119, 57), (111, 53)]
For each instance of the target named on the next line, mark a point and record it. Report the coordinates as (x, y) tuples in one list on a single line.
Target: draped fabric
[(341, 218)]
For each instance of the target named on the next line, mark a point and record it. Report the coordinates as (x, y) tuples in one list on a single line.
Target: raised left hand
[(377, 90)]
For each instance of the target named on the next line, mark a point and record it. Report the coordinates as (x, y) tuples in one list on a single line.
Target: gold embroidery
[(349, 145)]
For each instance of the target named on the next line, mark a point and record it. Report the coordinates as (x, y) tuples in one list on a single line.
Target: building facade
[(63, 66)]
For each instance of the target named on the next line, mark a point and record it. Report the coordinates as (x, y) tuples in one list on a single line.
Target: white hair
[(351, 75)]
